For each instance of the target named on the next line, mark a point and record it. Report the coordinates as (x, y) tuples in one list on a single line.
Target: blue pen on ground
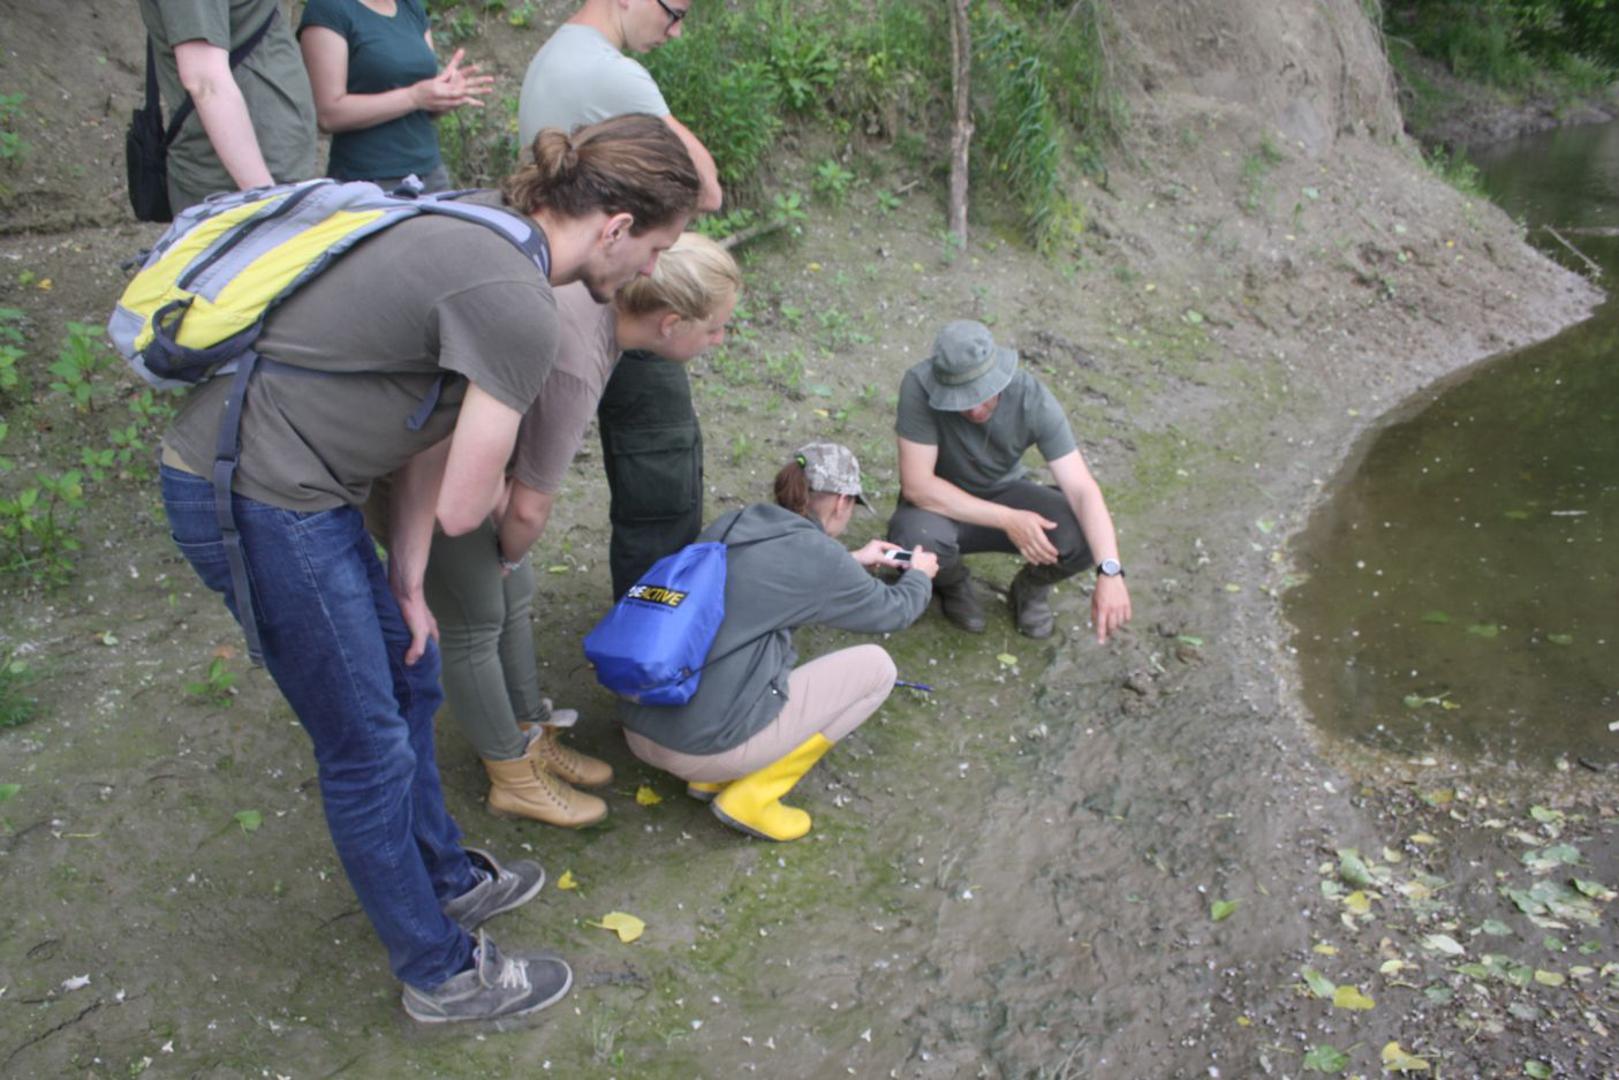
[(924, 687)]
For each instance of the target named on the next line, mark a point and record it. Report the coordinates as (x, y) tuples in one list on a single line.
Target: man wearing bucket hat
[(967, 414)]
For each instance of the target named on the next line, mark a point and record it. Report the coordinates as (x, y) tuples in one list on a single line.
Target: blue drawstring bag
[(650, 648)]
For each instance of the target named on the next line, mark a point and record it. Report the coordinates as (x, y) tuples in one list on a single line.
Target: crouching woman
[(759, 720)]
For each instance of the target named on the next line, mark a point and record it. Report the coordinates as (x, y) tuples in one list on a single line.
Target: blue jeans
[(334, 641)]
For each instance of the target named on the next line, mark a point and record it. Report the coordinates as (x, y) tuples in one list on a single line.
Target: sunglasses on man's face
[(675, 14)]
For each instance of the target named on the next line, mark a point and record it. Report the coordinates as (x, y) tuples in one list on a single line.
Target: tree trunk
[(961, 58)]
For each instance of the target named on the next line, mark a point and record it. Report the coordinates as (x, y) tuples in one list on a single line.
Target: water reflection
[(1465, 578)]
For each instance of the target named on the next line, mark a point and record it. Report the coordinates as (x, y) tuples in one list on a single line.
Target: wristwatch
[(1109, 568)]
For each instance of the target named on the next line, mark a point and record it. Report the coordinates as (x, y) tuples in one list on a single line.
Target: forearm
[(524, 521), (1090, 510), (223, 113), (354, 112), (410, 533), (940, 496)]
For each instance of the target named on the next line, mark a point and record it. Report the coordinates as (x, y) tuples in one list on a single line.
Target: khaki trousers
[(830, 696)]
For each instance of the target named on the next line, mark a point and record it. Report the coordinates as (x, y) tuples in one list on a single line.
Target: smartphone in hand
[(901, 555)]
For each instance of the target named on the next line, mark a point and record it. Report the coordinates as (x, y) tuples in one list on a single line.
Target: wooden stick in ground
[(961, 135), (752, 232), (1596, 271)]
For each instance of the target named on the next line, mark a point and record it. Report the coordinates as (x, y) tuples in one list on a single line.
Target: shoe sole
[(513, 815), (740, 827), (699, 794), (528, 1011)]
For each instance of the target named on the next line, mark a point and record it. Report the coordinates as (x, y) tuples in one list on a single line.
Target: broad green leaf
[(249, 820), (1495, 928), (1352, 868), (1007, 659), (1517, 515), (1326, 1058), (1537, 1069), (1221, 910), (9, 791), (1193, 317), (1436, 617), (1543, 859), (1549, 978), (1484, 630), (1560, 639), (1545, 816), (1319, 984), (1189, 639), (1594, 889), (1443, 943), (1349, 997)]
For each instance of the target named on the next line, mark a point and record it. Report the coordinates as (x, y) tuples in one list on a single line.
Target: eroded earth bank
[(1014, 875)]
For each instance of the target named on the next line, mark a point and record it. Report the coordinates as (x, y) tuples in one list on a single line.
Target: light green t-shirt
[(982, 459), (272, 77), (577, 78)]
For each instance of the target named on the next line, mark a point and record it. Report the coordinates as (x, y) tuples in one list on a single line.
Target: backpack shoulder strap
[(522, 233)]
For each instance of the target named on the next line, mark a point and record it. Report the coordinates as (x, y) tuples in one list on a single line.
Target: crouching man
[(966, 416)]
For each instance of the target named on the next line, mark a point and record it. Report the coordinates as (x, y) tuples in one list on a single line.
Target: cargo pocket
[(655, 473)]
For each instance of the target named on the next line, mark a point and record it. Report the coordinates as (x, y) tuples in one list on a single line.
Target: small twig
[(1596, 271), (752, 232)]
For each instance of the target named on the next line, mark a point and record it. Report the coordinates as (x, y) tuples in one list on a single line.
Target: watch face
[(1110, 568)]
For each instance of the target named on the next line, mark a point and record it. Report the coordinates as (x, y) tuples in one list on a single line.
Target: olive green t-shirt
[(274, 82), (430, 296), (982, 459)]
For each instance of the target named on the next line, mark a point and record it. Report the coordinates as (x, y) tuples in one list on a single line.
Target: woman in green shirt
[(378, 88)]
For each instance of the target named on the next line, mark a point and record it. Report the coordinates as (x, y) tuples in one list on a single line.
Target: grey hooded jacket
[(795, 576)]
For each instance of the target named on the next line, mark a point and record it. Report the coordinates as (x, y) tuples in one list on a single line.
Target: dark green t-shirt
[(385, 53), (982, 459), (274, 85), (427, 297)]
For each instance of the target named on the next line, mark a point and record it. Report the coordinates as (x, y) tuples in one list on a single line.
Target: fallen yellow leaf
[(647, 797), (566, 881), (1423, 838), (1349, 997), (1392, 967), (815, 268), (45, 285), (1548, 978), (626, 926), (1396, 1059), (1326, 950), (1358, 902)]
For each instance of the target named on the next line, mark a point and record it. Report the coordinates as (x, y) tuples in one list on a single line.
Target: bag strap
[(237, 55)]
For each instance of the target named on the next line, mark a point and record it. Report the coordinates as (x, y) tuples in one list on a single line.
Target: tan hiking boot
[(524, 788), (545, 746)]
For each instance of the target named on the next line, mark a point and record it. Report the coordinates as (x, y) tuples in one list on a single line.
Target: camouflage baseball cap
[(832, 467)]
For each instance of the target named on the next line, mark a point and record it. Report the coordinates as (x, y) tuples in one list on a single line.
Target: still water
[(1463, 594)]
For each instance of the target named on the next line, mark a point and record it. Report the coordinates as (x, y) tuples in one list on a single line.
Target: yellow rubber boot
[(523, 788), (703, 790), (753, 803)]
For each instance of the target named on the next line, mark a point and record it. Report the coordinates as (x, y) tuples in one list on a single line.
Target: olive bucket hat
[(830, 466), (967, 368)]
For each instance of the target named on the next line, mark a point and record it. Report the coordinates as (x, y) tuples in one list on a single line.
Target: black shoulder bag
[(146, 142)]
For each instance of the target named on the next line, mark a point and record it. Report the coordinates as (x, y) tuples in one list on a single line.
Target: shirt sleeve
[(502, 335), (326, 14), (631, 90), (196, 20), (1050, 425), (849, 598), (914, 419), (552, 431)]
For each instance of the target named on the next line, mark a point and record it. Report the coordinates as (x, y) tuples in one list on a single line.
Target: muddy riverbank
[(1015, 875)]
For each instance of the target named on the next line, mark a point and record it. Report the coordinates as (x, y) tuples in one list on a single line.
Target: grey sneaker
[(495, 986), (503, 888)]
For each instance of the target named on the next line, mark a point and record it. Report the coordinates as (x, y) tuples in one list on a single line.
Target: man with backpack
[(415, 353), (652, 445), (252, 116)]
